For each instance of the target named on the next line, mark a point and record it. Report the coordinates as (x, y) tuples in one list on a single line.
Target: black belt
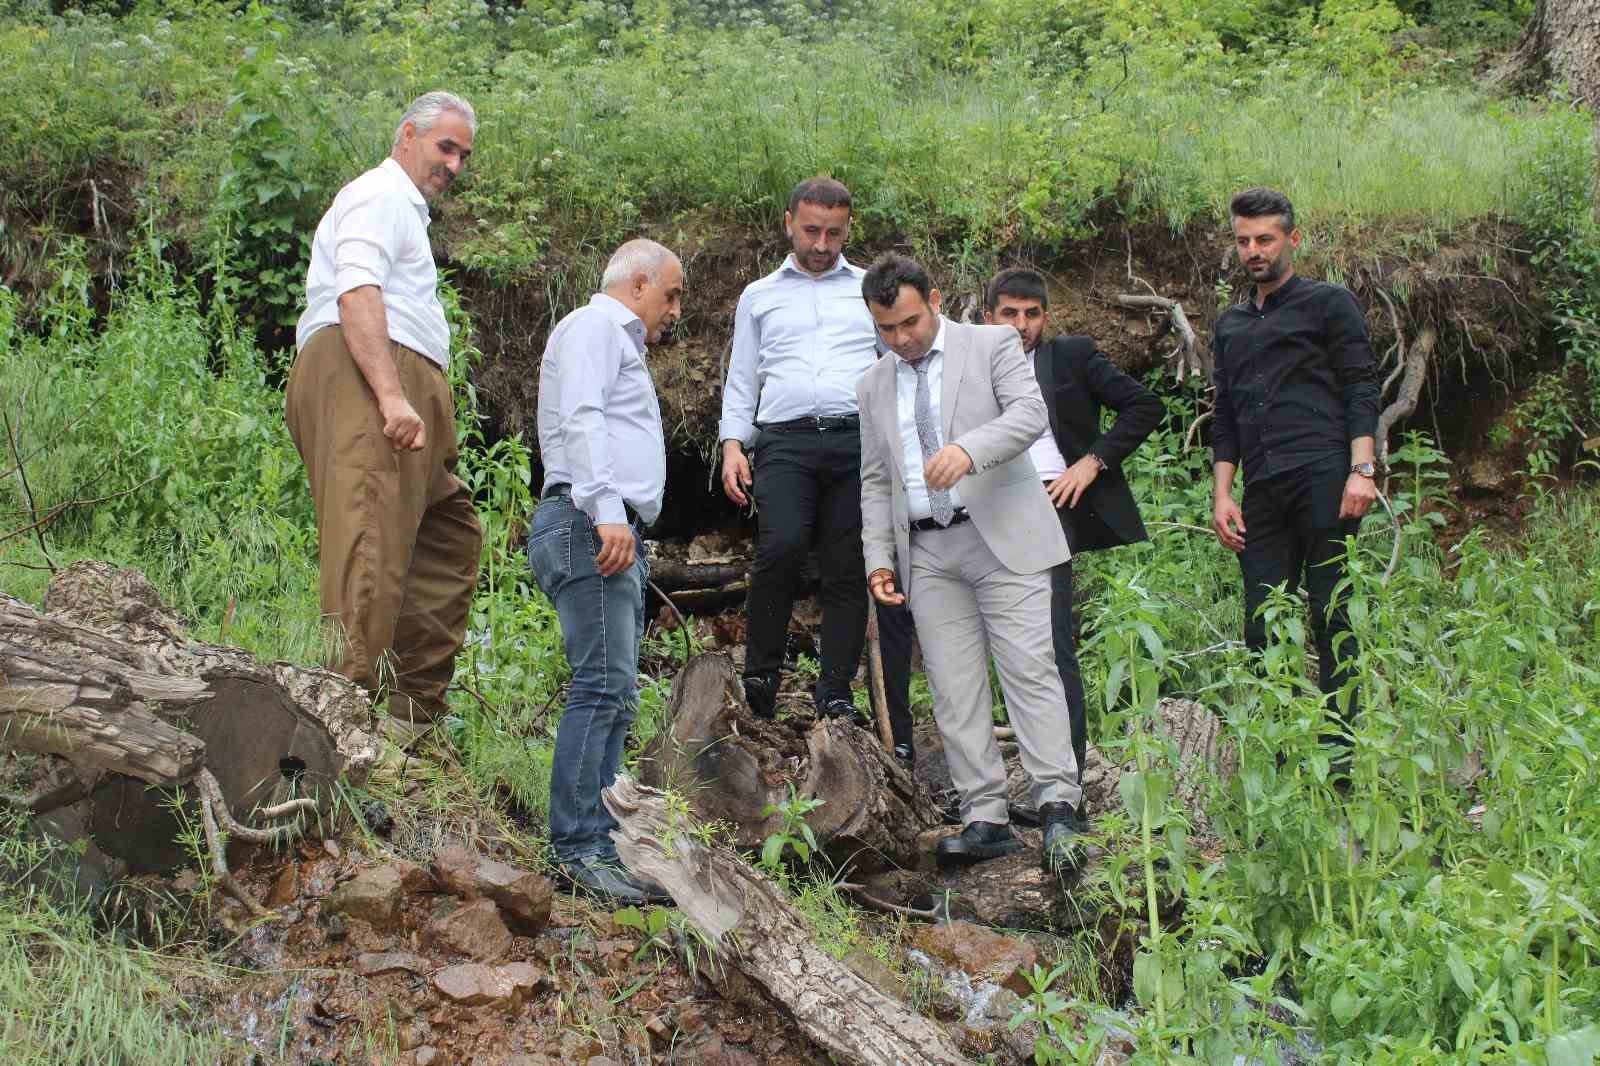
[(562, 488), (819, 424), (928, 525)]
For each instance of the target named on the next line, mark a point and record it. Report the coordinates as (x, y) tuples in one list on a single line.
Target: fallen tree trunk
[(754, 928), (106, 678), (733, 767), (674, 575)]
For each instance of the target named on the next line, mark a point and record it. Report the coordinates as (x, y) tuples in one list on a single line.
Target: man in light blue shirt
[(802, 338), (605, 472)]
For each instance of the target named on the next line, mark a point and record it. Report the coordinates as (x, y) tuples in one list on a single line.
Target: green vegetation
[(154, 199)]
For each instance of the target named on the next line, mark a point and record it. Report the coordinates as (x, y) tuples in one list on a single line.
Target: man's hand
[(401, 423), (616, 547), (736, 476), (1359, 492), (1068, 489), (1228, 522), (881, 584), (946, 466)]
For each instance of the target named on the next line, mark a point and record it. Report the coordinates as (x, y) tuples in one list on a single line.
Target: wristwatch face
[(1364, 469)]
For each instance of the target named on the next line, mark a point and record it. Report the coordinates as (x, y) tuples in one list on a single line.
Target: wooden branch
[(1186, 359), (675, 576), (27, 489), (880, 693), (1410, 389), (683, 625), (1194, 429), (754, 928)]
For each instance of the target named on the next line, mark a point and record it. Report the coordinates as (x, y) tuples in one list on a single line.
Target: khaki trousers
[(398, 534), (968, 606)]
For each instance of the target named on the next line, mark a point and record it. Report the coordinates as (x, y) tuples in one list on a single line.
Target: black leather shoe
[(978, 842), (603, 880), (838, 707), (1063, 851), (761, 693)]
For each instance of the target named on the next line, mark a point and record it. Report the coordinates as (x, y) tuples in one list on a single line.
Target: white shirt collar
[(840, 266), (622, 315), (393, 167)]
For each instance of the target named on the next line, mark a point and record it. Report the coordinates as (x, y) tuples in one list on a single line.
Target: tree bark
[(1563, 39), (732, 767), (107, 677), (754, 928)]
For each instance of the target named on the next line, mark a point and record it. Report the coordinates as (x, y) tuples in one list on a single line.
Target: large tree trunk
[(1563, 39), (754, 928), (733, 767), (107, 679)]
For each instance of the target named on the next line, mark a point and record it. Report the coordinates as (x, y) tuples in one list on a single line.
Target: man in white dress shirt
[(370, 410), (605, 471), (801, 341), (956, 523)]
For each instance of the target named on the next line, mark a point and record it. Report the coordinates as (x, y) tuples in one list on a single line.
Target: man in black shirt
[(1297, 404)]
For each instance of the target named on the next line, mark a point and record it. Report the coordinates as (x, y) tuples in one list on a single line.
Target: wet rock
[(474, 984), (875, 972), (522, 895), (473, 929), (286, 888), (374, 895), (374, 963), (980, 952)]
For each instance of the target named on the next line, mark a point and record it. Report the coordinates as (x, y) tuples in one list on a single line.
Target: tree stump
[(106, 678), (732, 766)]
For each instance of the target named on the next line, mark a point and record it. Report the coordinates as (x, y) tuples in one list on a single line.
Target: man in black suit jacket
[(1080, 465)]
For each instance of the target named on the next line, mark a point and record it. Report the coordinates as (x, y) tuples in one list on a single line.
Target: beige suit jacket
[(989, 404)]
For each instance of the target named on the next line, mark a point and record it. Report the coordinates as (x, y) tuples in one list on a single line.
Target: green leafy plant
[(793, 834)]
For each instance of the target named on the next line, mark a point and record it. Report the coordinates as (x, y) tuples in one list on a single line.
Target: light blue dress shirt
[(799, 345), (599, 420)]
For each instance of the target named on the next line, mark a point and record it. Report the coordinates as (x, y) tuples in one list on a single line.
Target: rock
[(286, 888), (375, 895), (876, 973), (473, 929), (426, 1056), (331, 846), (413, 878), (1486, 474), (528, 1060), (522, 895), (473, 984), (602, 1060), (660, 1032), (980, 953), (374, 963)]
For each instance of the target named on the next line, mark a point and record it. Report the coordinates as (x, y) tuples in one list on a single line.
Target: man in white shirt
[(954, 514), (801, 340), (605, 471), (370, 410)]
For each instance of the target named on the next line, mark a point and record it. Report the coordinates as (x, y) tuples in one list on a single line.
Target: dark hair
[(888, 273), (1019, 283), (1260, 202), (824, 192)]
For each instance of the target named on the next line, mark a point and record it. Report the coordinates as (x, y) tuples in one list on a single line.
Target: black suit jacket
[(1077, 381)]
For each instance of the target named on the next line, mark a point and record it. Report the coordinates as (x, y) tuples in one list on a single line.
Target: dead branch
[(1186, 357), (754, 928), (1410, 389), (22, 475), (1394, 553), (62, 508), (927, 914), (683, 625), (1194, 428)]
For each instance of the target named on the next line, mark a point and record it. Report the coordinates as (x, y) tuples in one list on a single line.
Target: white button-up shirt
[(376, 233), (1046, 456), (905, 398), (799, 345), (599, 421)]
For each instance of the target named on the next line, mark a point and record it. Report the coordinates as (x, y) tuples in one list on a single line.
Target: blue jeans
[(602, 623)]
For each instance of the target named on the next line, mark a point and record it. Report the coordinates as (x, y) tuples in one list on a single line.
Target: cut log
[(675, 575), (732, 767), (754, 929), (268, 733)]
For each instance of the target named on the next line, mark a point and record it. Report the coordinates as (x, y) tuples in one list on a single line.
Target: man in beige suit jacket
[(953, 513)]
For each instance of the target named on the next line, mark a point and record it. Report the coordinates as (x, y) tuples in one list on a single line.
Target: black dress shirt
[(1296, 380)]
